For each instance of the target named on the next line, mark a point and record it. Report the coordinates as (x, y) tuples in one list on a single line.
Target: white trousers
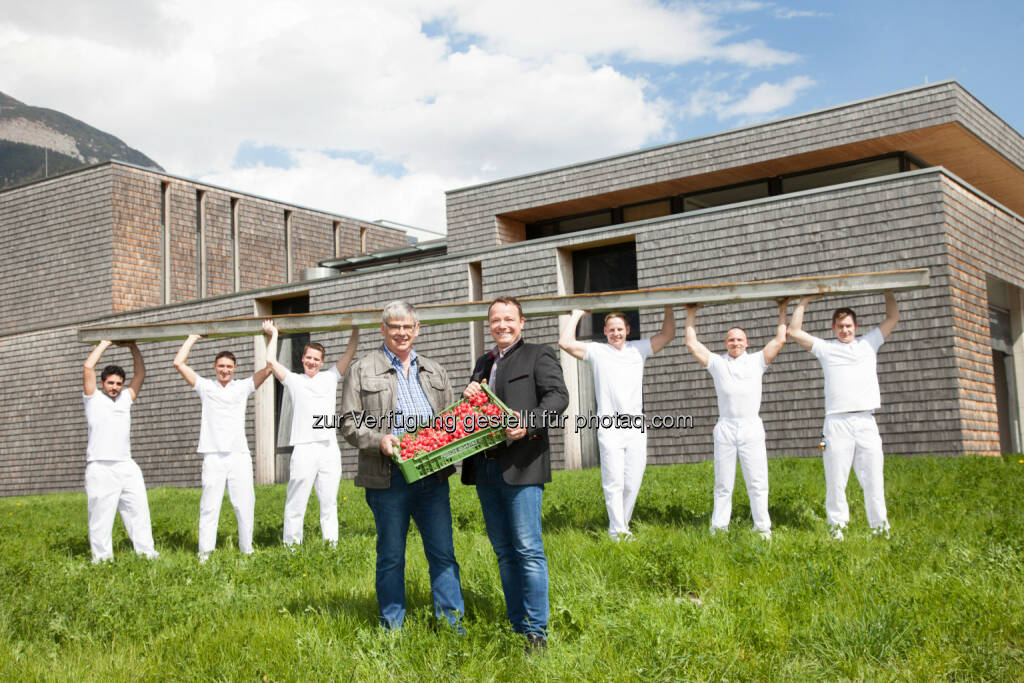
[(623, 459), (111, 486), (313, 464), (852, 439), (233, 470), (743, 439)]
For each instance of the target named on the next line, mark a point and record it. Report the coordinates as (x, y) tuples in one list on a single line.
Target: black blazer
[(529, 380)]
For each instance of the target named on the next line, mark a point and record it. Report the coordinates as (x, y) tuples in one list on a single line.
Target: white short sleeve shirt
[(222, 429), (619, 376), (738, 384), (851, 378), (110, 426), (311, 396)]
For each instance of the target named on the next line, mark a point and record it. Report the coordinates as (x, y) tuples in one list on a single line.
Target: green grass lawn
[(942, 599)]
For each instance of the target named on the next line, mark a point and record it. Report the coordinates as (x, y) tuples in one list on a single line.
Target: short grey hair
[(399, 310)]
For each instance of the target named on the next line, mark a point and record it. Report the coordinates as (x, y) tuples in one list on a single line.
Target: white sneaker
[(766, 534), (836, 532), (881, 531), (719, 530)]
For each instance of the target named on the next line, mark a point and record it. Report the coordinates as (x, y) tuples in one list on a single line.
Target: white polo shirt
[(110, 426), (851, 378), (311, 396), (619, 376), (738, 384), (222, 429)]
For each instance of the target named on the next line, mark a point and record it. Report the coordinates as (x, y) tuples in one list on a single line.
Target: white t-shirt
[(311, 396), (222, 429), (619, 376), (851, 381), (738, 384), (110, 426)]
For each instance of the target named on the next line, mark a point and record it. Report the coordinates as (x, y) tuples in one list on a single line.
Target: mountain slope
[(36, 142)]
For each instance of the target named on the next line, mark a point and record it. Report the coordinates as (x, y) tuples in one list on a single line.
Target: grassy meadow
[(943, 598)]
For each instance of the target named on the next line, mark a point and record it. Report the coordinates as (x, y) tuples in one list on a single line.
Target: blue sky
[(374, 109)]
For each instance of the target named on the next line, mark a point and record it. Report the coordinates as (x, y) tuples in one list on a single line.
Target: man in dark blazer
[(510, 477)]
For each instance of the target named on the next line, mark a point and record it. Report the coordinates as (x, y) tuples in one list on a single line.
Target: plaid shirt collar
[(396, 363)]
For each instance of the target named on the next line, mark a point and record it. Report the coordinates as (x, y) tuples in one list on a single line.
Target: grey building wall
[(56, 255), (471, 211), (90, 242), (921, 219)]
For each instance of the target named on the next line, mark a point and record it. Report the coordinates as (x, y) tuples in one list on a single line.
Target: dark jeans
[(512, 516), (426, 502)]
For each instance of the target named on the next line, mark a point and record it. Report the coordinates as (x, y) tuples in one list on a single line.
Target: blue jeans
[(512, 516), (426, 502)]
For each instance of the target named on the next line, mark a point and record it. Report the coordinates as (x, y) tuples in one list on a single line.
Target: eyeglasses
[(400, 328)]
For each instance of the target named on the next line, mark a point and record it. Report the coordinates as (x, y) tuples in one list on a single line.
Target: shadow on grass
[(74, 546), (794, 514), (559, 518), (674, 514), (363, 606)]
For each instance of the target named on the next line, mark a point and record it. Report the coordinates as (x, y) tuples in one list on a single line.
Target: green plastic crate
[(421, 466)]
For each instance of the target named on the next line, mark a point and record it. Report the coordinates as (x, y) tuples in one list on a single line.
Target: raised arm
[(139, 371), (796, 324), (350, 352), (567, 340), (772, 348), (179, 360), (280, 371), (699, 351), (271, 352), (892, 315), (668, 331), (89, 368)]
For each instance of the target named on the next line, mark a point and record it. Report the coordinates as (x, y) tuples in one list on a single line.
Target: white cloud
[(769, 97), (509, 88), (349, 188), (786, 13), (635, 30)]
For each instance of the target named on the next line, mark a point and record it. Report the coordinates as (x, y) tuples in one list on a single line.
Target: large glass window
[(731, 194), (841, 174), (609, 268), (726, 195), (640, 212)]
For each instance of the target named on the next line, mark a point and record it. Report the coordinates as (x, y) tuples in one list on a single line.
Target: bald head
[(736, 342)]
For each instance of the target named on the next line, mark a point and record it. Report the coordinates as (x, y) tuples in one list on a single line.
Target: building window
[(725, 195), (841, 174), (200, 244), (235, 271), (729, 194), (610, 268), (165, 242), (287, 246), (336, 233), (641, 212), (568, 224)]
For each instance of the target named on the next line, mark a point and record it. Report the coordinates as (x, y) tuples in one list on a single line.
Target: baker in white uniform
[(851, 398), (618, 382), (739, 432), (113, 481), (316, 458), (226, 457)]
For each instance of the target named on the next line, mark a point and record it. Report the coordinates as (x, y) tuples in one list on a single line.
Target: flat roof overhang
[(950, 145)]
